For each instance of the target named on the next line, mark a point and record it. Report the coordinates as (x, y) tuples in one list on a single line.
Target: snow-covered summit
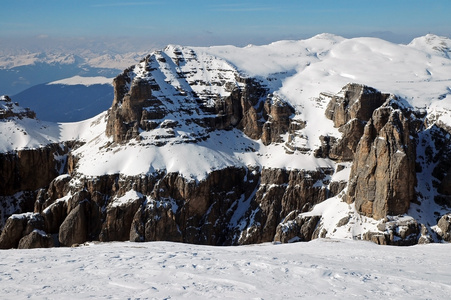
[(441, 44)]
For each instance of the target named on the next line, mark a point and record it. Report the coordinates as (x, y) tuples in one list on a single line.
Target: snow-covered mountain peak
[(440, 44)]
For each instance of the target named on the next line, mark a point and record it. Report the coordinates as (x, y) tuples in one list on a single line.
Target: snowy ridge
[(296, 71), (25, 133), (87, 81)]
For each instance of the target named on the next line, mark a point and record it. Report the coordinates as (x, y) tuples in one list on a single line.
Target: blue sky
[(222, 22)]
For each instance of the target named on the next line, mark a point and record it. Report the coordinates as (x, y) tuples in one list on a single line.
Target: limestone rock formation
[(383, 175), (28, 170), (74, 229), (141, 101), (36, 239), (296, 227), (350, 109), (404, 231), (18, 226)]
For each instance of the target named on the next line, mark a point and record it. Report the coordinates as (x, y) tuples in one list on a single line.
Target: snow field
[(321, 269), (87, 81)]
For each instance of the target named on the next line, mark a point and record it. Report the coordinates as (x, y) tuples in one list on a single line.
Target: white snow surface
[(17, 134), (321, 269), (87, 81), (300, 70)]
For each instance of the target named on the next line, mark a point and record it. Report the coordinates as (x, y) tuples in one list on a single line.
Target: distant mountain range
[(27, 77), (19, 72), (296, 140), (70, 100)]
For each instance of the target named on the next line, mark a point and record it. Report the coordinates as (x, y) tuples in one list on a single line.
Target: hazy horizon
[(141, 25)]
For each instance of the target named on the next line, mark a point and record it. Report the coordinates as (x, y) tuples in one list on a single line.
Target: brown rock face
[(355, 101), (278, 120), (296, 228), (36, 239), (119, 219), (350, 109), (140, 105), (383, 176), (231, 206), (74, 229), (29, 170), (18, 226), (127, 109), (279, 194)]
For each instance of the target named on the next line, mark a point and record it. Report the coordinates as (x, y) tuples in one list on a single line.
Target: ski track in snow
[(321, 269)]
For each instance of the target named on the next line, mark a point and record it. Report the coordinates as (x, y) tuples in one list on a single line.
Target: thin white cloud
[(127, 4), (241, 8)]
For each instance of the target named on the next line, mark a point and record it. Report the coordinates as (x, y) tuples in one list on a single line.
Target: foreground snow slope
[(321, 269)]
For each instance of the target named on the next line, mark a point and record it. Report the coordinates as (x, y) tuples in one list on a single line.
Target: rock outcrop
[(350, 110), (383, 175), (31, 169), (18, 232), (141, 101), (231, 206), (9, 109)]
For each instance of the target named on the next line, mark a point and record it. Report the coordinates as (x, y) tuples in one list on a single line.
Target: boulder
[(444, 224), (12, 232), (17, 226), (36, 239), (74, 229), (296, 227)]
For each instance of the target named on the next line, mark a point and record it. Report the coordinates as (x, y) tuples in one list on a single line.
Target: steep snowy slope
[(325, 137), (301, 70), (25, 132)]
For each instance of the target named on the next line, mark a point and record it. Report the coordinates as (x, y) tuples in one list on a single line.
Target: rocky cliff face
[(231, 206), (379, 175), (383, 176), (226, 101)]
